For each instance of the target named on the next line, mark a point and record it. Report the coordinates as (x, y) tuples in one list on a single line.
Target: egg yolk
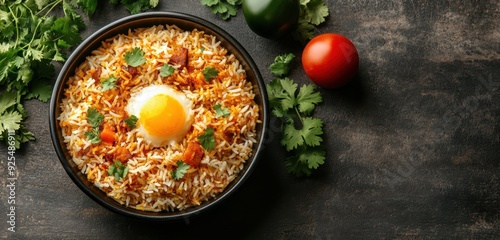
[(162, 116)]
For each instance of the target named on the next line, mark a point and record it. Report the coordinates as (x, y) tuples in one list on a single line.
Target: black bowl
[(186, 22)]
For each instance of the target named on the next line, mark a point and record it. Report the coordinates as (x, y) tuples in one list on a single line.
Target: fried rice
[(149, 184)]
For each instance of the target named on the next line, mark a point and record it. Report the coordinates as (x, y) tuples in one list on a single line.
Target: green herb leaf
[(118, 170), (225, 9), (93, 136), (307, 99), (108, 83), (210, 73), (166, 70), (221, 112), (281, 65), (131, 121), (135, 57), (181, 169), (94, 117), (303, 140), (207, 139), (312, 14)]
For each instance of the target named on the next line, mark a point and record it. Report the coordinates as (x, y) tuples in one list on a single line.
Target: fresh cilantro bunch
[(312, 14), (302, 133), (224, 8), (32, 39)]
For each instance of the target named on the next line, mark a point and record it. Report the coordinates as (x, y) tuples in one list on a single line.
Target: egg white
[(137, 101)]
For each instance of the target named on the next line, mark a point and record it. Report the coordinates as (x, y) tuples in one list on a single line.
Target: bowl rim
[(73, 61)]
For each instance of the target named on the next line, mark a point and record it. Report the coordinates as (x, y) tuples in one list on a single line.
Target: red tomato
[(330, 60)]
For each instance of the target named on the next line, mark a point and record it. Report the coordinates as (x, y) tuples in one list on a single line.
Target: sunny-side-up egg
[(164, 114)]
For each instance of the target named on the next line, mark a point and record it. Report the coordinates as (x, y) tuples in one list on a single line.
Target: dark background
[(413, 143)]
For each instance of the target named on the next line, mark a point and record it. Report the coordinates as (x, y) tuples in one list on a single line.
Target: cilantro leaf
[(166, 70), (131, 121), (118, 170), (207, 139), (225, 9), (135, 57), (312, 14), (221, 112), (181, 169), (281, 64), (10, 121), (307, 99), (304, 160), (108, 83), (94, 117), (209, 73), (137, 6), (7, 100), (93, 136)]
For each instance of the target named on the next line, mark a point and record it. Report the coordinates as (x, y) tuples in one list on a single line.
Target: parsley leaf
[(135, 57), (181, 169), (210, 73), (118, 170), (221, 112), (131, 121), (281, 64), (225, 9), (108, 83), (166, 70), (207, 139)]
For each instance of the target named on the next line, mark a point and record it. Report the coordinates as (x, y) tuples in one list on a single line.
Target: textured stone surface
[(413, 144)]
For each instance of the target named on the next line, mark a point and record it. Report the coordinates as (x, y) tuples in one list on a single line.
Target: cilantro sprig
[(118, 170), (209, 73), (131, 121), (207, 139), (135, 57), (95, 118), (225, 9), (302, 133), (180, 170), (108, 83), (312, 14), (220, 111), (36, 34)]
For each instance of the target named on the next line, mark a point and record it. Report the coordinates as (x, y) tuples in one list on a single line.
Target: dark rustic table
[(413, 143)]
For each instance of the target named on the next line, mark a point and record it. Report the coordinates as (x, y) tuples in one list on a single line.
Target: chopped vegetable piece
[(135, 57), (207, 139), (221, 112), (108, 134), (193, 154), (210, 73), (181, 169)]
